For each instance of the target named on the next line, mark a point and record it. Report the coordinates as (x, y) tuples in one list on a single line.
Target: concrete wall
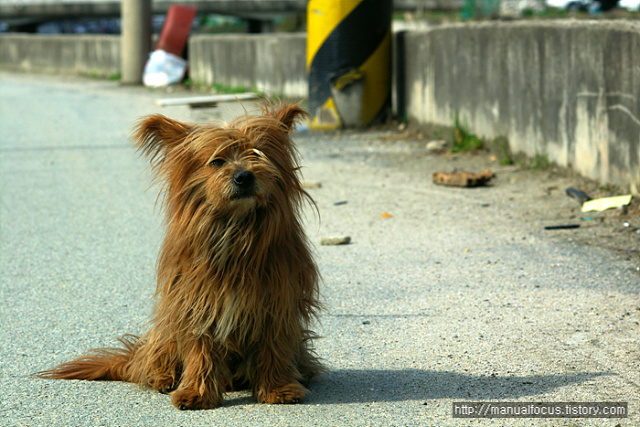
[(270, 63), (570, 90), (65, 54)]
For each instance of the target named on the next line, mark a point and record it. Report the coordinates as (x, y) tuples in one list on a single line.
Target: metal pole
[(136, 39)]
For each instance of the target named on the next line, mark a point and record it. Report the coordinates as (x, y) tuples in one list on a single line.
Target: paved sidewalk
[(459, 295)]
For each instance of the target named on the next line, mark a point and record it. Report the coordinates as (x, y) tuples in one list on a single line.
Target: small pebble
[(311, 184)]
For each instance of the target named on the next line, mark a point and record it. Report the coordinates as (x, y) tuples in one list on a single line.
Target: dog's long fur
[(236, 287)]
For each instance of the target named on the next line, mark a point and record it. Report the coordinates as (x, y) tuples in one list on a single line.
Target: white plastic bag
[(163, 69)]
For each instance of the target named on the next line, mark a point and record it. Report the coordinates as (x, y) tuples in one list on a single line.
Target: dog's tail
[(105, 364)]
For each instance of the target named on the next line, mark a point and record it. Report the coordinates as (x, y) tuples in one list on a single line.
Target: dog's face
[(231, 168)]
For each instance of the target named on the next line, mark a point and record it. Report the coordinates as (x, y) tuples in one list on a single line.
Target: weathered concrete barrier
[(65, 54), (570, 91), (270, 63)]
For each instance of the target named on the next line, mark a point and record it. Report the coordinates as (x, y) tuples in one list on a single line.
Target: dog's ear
[(155, 135), (289, 114)]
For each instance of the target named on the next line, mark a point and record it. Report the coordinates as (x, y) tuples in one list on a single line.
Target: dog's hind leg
[(307, 360), (166, 368), (203, 377), (155, 362)]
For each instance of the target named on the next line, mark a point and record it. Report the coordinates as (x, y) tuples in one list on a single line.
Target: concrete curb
[(565, 90)]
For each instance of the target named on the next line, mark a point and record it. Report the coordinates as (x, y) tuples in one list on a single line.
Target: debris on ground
[(205, 100), (335, 240), (605, 203), (436, 146), (165, 65), (581, 196), (562, 227), (463, 179)]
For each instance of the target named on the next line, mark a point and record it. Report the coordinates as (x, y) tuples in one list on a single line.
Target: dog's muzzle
[(244, 183)]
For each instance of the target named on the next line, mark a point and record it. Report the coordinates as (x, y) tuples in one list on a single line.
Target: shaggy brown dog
[(236, 286)]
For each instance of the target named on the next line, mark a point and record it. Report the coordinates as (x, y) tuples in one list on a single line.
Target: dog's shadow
[(368, 386), (365, 386)]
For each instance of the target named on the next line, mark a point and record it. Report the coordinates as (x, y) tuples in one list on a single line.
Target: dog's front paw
[(187, 399), (290, 393)]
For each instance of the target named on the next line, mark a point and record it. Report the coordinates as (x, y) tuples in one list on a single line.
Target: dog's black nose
[(243, 179), (244, 182)]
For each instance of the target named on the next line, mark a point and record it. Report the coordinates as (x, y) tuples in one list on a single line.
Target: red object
[(176, 29)]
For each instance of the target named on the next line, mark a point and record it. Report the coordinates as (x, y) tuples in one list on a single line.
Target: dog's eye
[(216, 162)]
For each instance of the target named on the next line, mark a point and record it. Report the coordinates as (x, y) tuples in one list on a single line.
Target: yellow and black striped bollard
[(348, 45)]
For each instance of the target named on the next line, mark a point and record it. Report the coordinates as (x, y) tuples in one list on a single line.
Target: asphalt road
[(455, 295)]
